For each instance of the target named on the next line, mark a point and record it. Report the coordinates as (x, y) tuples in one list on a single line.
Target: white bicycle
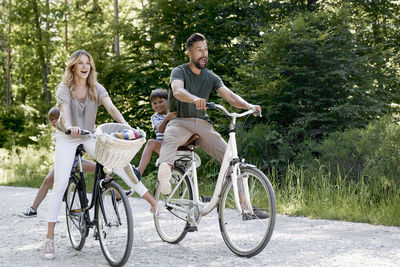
[(243, 194)]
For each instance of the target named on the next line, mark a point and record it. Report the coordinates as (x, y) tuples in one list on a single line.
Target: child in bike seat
[(87, 166), (159, 120)]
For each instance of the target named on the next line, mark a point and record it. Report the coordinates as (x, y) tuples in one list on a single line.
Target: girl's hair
[(158, 93), (91, 80), (54, 112)]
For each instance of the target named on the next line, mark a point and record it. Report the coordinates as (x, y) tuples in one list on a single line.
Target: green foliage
[(18, 127), (25, 166), (312, 77), (371, 153)]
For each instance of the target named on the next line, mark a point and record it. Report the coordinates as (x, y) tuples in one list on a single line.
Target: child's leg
[(152, 145), (44, 188), (88, 166)]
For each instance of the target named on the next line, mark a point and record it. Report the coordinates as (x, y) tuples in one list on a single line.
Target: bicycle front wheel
[(114, 224), (76, 223), (247, 233), (172, 225)]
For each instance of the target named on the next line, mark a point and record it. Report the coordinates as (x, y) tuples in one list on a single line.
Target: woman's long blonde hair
[(91, 81)]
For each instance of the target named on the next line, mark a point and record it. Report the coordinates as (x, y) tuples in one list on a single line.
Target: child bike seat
[(192, 141)]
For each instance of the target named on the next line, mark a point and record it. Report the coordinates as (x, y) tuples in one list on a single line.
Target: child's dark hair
[(54, 112), (158, 93)]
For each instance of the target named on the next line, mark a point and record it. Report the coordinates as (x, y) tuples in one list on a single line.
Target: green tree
[(312, 76)]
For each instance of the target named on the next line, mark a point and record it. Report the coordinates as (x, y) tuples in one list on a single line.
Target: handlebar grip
[(83, 132), (210, 105)]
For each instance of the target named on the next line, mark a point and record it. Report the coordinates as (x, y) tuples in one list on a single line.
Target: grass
[(315, 193), (319, 194)]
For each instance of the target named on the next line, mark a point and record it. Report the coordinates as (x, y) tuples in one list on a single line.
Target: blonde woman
[(78, 97)]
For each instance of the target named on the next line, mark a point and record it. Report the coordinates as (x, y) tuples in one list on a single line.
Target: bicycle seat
[(192, 141), (79, 150)]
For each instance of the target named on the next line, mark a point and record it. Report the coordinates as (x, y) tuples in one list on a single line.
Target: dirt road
[(296, 241)]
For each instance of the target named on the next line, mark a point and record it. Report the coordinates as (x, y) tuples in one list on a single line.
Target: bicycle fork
[(239, 183)]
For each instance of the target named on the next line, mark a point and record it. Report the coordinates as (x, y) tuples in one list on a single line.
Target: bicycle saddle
[(192, 141)]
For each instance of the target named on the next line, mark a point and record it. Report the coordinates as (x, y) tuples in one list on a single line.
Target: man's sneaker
[(257, 214), (164, 174), (48, 249), (28, 213)]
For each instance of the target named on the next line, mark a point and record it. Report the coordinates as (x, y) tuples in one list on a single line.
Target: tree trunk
[(8, 100), (66, 25), (116, 36), (41, 52)]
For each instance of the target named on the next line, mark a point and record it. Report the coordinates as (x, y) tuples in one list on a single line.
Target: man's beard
[(197, 64)]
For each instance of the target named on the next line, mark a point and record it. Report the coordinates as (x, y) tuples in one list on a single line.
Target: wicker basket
[(114, 152)]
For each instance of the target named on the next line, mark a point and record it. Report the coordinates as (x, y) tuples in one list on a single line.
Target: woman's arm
[(112, 110), (65, 115)]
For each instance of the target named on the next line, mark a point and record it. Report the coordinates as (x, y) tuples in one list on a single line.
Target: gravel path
[(296, 241)]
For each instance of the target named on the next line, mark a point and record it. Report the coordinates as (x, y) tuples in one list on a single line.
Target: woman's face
[(82, 68)]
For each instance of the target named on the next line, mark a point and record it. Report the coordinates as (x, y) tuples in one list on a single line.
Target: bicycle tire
[(172, 225), (74, 214), (114, 224), (246, 235)]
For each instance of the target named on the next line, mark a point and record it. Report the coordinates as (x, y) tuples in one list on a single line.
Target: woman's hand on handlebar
[(74, 131)]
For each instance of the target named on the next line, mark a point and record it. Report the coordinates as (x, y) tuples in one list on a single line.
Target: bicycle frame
[(230, 159), (81, 190)]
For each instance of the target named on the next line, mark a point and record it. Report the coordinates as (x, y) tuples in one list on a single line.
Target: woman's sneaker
[(28, 213), (48, 249)]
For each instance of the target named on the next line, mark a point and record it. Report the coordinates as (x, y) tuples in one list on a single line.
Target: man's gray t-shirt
[(83, 112), (201, 85)]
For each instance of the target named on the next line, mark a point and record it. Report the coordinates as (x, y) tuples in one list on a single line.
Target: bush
[(371, 153)]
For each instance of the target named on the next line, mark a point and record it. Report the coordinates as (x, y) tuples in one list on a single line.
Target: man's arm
[(183, 95), (234, 99)]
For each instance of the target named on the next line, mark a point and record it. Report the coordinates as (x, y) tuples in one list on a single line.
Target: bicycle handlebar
[(83, 132), (253, 109)]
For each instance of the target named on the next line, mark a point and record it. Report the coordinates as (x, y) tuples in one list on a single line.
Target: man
[(191, 85)]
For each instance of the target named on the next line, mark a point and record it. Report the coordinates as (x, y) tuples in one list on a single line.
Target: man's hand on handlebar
[(258, 113), (200, 103)]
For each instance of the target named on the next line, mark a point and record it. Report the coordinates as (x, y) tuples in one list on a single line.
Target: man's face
[(198, 54)]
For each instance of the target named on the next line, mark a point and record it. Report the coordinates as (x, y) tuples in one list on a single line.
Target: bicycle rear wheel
[(76, 223), (247, 234), (172, 225), (114, 224)]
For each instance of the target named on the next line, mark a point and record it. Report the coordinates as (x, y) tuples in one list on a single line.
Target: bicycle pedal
[(191, 228), (205, 199)]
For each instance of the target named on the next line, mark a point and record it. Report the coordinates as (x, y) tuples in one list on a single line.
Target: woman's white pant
[(64, 157)]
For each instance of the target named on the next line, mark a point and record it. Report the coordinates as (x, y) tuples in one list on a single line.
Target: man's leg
[(210, 140), (176, 134)]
